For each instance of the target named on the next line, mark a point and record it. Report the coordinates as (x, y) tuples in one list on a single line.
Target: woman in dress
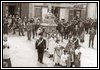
[(57, 53), (51, 46)]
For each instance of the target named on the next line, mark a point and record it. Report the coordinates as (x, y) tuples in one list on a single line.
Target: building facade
[(60, 10)]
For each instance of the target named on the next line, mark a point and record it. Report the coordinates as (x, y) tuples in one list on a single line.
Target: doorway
[(11, 10), (56, 12), (77, 14)]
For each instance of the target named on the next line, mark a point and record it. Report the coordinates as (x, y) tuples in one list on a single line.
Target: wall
[(24, 9), (44, 12), (67, 14), (91, 10)]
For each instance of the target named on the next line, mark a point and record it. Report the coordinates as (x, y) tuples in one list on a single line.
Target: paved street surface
[(24, 54)]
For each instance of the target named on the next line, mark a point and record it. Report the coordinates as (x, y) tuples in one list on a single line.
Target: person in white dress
[(57, 53), (51, 46), (65, 60)]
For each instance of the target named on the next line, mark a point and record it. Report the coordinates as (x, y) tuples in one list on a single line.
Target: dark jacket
[(29, 27), (92, 33), (40, 44)]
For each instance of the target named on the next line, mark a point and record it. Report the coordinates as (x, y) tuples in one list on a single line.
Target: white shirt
[(77, 51), (6, 53), (64, 57)]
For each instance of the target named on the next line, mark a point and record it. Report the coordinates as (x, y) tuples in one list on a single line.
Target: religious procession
[(57, 40)]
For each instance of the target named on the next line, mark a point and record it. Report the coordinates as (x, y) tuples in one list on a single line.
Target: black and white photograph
[(49, 34)]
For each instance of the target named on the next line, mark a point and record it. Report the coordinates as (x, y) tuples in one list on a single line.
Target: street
[(24, 54)]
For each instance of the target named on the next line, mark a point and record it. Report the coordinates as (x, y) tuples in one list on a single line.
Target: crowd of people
[(66, 56), (16, 24)]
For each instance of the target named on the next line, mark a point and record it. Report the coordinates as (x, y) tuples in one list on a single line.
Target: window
[(44, 12), (62, 13), (38, 12)]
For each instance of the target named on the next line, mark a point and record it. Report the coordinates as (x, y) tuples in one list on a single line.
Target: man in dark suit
[(33, 27), (40, 46), (29, 29)]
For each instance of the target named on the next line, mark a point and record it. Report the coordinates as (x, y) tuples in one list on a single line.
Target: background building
[(60, 10)]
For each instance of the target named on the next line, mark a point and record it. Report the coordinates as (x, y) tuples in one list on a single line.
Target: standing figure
[(72, 54), (29, 28), (40, 46), (81, 32), (77, 57), (57, 53), (58, 28), (10, 21), (5, 27), (76, 29), (51, 46), (94, 24), (62, 29), (37, 25), (76, 41), (25, 21), (92, 33), (21, 27), (33, 27), (65, 60), (6, 53), (87, 26), (67, 30), (14, 28), (70, 36)]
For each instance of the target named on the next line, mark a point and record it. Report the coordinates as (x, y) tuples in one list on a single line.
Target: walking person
[(40, 46)]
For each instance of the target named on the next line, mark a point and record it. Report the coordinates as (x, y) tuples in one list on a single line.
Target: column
[(44, 13), (91, 10), (62, 13), (67, 14), (31, 10)]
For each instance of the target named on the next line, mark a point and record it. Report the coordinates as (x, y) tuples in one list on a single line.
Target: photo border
[(51, 2)]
